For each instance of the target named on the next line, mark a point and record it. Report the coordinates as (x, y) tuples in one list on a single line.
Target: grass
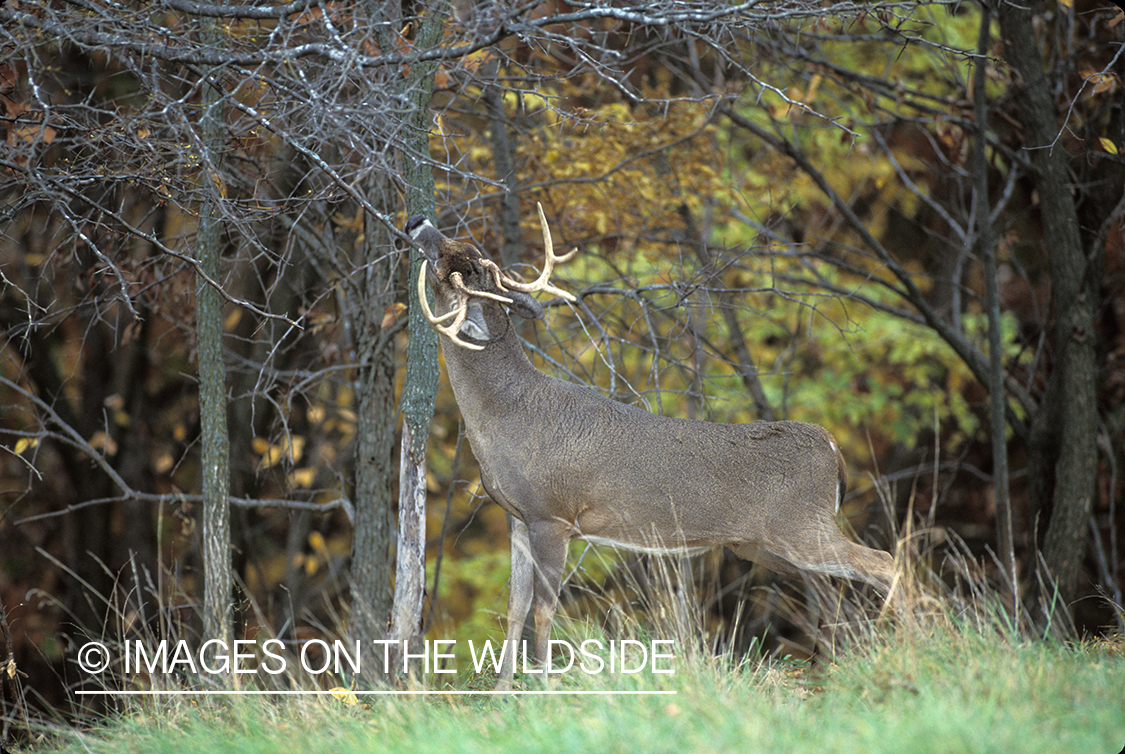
[(955, 676), (941, 688)]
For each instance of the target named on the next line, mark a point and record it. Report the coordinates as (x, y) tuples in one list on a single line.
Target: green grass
[(911, 690)]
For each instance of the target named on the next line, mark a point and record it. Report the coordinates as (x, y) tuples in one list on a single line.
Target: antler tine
[(497, 273), (458, 284), (541, 283), (457, 315)]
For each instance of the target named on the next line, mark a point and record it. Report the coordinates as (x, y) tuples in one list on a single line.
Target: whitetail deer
[(567, 462)]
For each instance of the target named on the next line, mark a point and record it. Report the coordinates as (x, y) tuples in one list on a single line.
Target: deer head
[(463, 277)]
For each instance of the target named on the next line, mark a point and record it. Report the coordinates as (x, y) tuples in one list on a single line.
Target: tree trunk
[(1063, 459), (373, 528), (215, 441), (419, 392), (503, 163)]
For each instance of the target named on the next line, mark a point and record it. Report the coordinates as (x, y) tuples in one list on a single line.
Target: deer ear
[(524, 305)]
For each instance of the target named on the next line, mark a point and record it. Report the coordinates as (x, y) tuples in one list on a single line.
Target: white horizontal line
[(427, 692)]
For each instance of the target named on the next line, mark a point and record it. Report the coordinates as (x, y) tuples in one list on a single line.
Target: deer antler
[(457, 315), (458, 284), (550, 260), (503, 282)]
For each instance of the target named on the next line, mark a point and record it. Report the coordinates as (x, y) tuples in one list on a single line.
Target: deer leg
[(763, 557), (878, 569), (520, 591), (850, 560), (827, 551), (548, 548), (538, 558)]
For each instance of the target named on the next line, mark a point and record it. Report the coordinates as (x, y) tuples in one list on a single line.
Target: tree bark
[(373, 528), (419, 392), (503, 163), (1063, 458), (215, 440)]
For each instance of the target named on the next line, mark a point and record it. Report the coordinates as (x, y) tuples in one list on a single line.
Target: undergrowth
[(956, 674), (945, 685)]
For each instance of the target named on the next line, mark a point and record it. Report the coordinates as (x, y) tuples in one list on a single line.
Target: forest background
[(900, 220)]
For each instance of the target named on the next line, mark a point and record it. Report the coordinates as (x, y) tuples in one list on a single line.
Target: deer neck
[(491, 383)]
